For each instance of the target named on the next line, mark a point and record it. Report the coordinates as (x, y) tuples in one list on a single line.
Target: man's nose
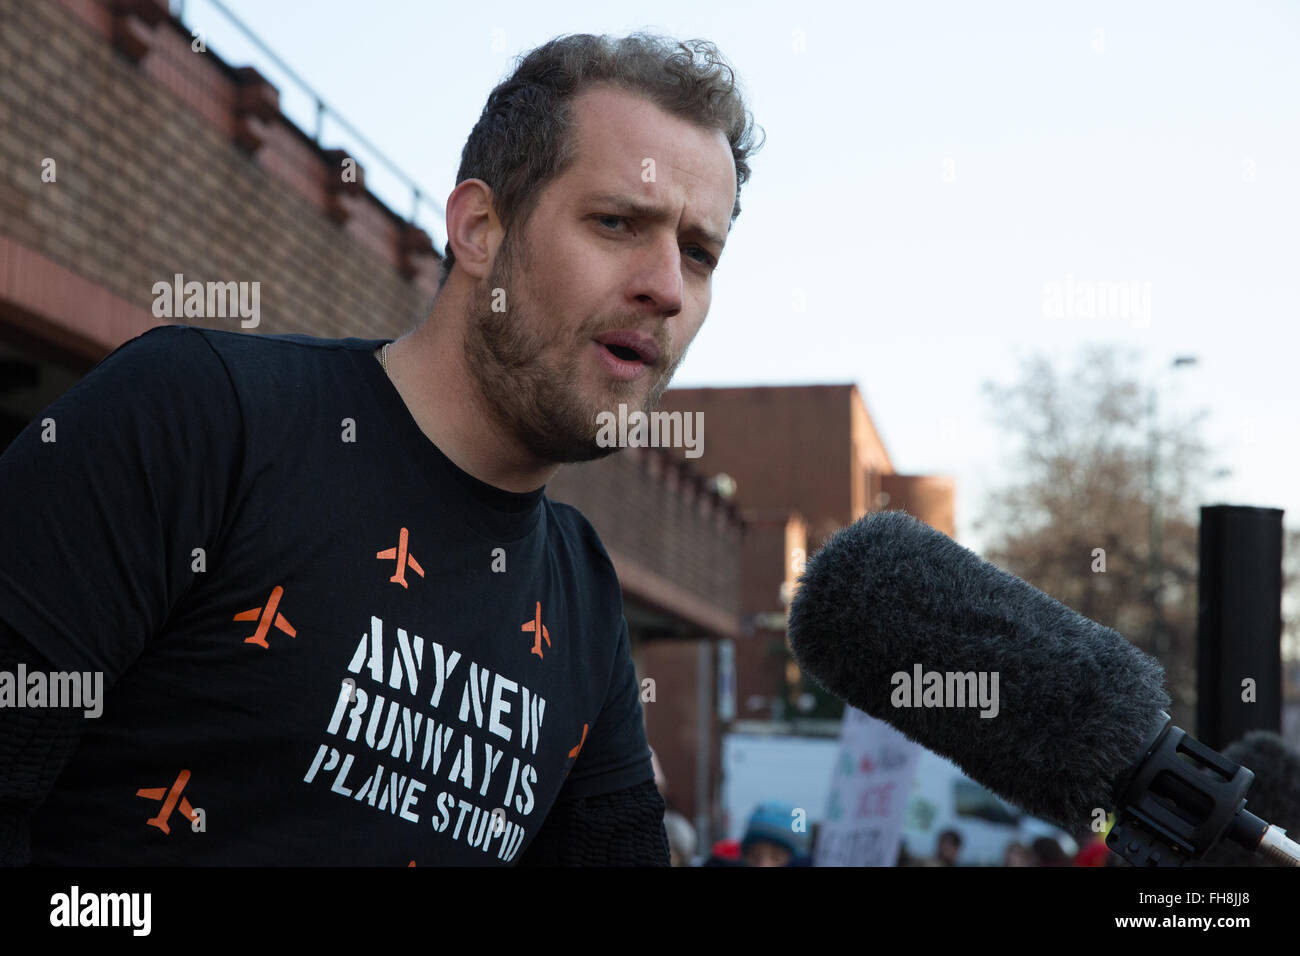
[(659, 277)]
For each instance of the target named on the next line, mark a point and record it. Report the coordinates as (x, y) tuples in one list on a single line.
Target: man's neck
[(427, 367)]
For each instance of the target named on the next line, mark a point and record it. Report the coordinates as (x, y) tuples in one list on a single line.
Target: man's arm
[(36, 743), (609, 811), (625, 828), (103, 498)]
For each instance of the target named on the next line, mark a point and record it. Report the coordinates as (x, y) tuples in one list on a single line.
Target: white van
[(944, 798)]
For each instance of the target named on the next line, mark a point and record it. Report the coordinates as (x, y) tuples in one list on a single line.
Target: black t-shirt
[(322, 642)]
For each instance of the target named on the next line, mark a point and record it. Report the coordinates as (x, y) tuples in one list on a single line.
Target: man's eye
[(705, 258)]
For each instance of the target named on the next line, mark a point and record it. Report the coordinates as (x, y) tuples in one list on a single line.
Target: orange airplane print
[(264, 617), (578, 749), (536, 626), (169, 800), (403, 557)]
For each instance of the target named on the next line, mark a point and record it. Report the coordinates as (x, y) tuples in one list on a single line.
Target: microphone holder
[(1181, 798)]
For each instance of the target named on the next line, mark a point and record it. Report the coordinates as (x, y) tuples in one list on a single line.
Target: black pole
[(1239, 623)]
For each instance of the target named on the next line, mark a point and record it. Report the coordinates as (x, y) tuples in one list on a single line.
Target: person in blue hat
[(776, 836)]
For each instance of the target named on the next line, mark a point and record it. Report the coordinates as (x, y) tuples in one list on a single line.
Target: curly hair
[(522, 138)]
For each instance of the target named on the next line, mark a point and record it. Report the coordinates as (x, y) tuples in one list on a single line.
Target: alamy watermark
[(1098, 299), (75, 908), (77, 689), (653, 430), (213, 300), (924, 688)]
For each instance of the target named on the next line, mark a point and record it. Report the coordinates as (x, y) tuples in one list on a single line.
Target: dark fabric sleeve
[(107, 492), (616, 754), (35, 745), (97, 531), (625, 828)]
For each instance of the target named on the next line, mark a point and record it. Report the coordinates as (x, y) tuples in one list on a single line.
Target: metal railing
[(323, 110)]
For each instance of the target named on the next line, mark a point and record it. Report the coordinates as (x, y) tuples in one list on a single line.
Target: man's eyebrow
[(626, 205)]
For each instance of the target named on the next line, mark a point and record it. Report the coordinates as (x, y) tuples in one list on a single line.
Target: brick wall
[(649, 508), (787, 447), (151, 182), (928, 497)]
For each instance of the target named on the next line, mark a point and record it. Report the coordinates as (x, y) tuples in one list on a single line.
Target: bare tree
[(1079, 525)]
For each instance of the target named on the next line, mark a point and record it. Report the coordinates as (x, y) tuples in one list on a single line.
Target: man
[(336, 618)]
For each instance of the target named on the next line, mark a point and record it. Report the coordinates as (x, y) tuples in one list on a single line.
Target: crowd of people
[(770, 840)]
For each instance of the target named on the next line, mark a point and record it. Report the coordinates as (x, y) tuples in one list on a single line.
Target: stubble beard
[(532, 399)]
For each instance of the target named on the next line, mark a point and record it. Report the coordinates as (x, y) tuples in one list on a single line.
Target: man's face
[(588, 264)]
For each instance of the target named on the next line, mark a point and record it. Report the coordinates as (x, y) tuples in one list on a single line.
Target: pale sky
[(930, 169)]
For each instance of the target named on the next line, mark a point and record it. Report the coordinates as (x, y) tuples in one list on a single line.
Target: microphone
[(906, 625)]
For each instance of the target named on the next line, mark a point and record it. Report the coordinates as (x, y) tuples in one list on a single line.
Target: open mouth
[(624, 353)]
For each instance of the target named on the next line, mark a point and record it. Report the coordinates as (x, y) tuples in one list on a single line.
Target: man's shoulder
[(229, 338), (244, 347), (256, 389), (165, 369), (164, 345), (575, 526), (266, 371)]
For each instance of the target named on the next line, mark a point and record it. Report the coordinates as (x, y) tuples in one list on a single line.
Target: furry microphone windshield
[(889, 601)]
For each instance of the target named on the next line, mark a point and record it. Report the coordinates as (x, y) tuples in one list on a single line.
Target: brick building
[(805, 460)]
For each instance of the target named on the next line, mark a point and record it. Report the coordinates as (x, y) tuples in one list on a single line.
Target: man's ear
[(473, 230)]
